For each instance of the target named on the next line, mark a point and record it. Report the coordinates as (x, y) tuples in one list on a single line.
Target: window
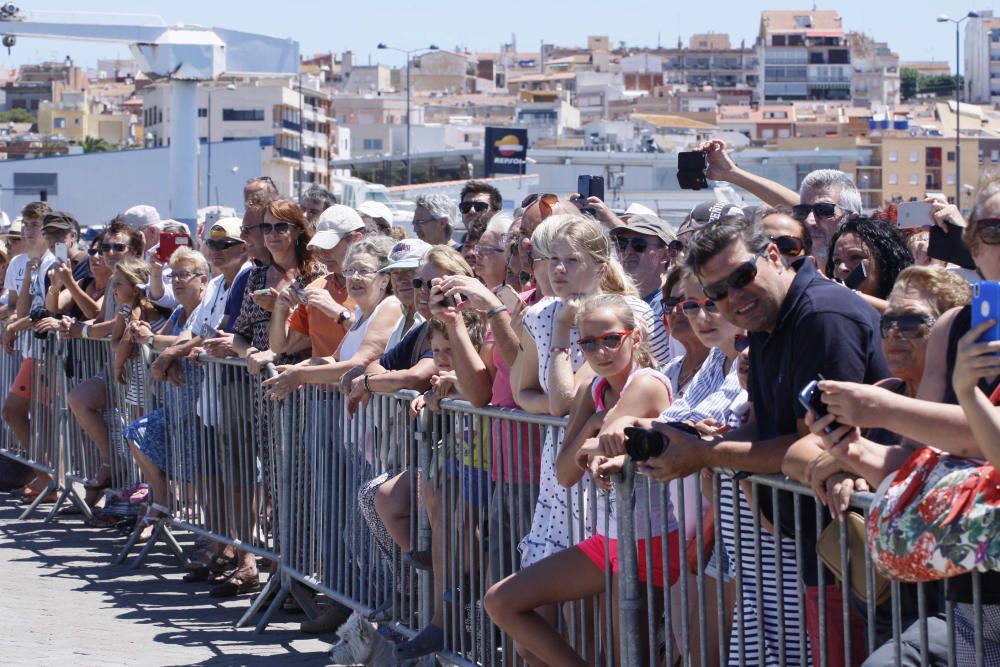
[(914, 179), (950, 179), (202, 112), (893, 156), (893, 179), (767, 134), (950, 156), (242, 114), (59, 123), (914, 156), (995, 155), (372, 144)]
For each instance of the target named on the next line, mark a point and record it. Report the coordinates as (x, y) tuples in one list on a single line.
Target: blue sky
[(910, 28)]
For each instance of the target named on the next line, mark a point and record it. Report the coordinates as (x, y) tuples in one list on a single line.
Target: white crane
[(184, 55)]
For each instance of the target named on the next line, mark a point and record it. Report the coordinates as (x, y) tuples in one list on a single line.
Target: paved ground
[(63, 601)]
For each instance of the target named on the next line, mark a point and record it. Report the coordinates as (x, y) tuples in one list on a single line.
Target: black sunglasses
[(676, 246), (420, 283), (907, 325), (790, 246), (820, 210), (117, 247), (221, 244), (93, 252), (639, 244), (467, 206), (279, 227), (738, 279), (988, 231)]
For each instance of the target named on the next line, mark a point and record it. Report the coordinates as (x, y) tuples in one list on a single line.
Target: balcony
[(291, 126), (289, 153)]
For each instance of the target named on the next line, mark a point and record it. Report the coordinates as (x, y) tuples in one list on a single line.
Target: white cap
[(141, 216), (376, 210), (334, 224), (639, 209), (407, 254), (15, 228)]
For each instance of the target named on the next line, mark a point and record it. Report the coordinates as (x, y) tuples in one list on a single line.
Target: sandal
[(239, 583), (51, 497), (210, 571), (102, 521)]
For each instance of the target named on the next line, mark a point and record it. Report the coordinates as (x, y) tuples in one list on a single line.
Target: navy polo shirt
[(823, 329)]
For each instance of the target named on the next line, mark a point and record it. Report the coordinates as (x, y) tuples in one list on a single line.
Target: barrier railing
[(303, 484)]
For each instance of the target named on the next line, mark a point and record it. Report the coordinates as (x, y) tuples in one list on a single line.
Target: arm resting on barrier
[(417, 377)]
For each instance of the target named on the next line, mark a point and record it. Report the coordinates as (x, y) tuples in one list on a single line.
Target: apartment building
[(292, 122), (370, 119), (710, 60), (78, 117), (982, 59), (875, 76), (913, 166), (804, 55)]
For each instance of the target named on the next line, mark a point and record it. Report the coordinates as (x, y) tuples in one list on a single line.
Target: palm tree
[(95, 145)]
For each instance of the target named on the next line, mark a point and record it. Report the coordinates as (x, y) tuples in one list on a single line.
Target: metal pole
[(958, 116), (301, 136), (209, 177), (409, 168)]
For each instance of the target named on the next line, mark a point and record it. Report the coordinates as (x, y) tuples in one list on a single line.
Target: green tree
[(17, 116), (94, 145), (909, 80)]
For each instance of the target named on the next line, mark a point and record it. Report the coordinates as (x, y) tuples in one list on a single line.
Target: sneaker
[(361, 645)]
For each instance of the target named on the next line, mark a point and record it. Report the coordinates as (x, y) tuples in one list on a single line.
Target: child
[(128, 283), (626, 387)]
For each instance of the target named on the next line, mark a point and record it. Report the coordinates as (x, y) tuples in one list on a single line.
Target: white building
[(982, 59), (294, 124), (875, 79), (546, 120)]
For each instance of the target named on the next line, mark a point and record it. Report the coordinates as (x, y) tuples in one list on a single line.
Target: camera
[(39, 313), (642, 444)]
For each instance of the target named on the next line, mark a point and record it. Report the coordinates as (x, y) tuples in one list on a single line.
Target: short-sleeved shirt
[(823, 329), (15, 278), (408, 352), (324, 331), (234, 300)]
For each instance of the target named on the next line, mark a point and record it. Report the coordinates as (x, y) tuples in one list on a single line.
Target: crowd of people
[(704, 331)]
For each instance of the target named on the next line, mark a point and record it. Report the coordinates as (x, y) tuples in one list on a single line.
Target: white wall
[(95, 187)]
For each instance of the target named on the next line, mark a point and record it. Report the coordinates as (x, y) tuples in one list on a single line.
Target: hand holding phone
[(915, 214), (169, 243), (511, 299), (61, 251), (986, 306), (811, 398)]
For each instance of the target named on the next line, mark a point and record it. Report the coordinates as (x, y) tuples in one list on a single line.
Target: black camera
[(642, 444), (39, 313)]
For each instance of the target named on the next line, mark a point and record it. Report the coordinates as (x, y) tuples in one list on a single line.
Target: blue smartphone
[(811, 399), (986, 306)]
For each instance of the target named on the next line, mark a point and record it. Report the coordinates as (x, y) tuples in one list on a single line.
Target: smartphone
[(261, 292), (61, 251), (950, 247), (169, 243), (856, 277), (299, 292), (509, 297), (811, 399), (208, 332), (691, 168), (986, 306), (912, 214), (589, 186)]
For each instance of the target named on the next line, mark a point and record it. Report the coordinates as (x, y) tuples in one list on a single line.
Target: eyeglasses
[(277, 227), (638, 244), (360, 273), (221, 245), (676, 246), (820, 210), (117, 247), (670, 302), (490, 248), (610, 341), (907, 325), (738, 279), (467, 206), (420, 283), (789, 246), (93, 252), (184, 276), (988, 231), (690, 307)]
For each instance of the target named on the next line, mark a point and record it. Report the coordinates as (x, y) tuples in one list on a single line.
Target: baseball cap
[(407, 254), (60, 220), (141, 216), (644, 223), (376, 210), (706, 213), (334, 224), (224, 229)]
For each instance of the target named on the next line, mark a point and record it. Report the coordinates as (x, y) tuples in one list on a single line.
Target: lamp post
[(432, 47), (944, 18), (209, 141)]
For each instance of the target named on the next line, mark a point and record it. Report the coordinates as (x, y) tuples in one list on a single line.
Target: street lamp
[(209, 140), (944, 18), (432, 47)]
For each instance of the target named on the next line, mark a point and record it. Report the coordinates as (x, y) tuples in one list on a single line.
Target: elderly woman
[(376, 315), (146, 436)]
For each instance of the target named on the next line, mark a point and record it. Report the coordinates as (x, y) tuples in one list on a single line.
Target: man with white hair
[(434, 219), (827, 198)]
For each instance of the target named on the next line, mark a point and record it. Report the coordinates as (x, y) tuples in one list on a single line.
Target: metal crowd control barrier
[(10, 363)]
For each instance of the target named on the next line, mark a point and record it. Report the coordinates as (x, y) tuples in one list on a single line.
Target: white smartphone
[(509, 297), (912, 214), (61, 252)]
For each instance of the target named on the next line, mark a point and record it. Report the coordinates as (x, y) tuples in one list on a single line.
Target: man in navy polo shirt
[(800, 326)]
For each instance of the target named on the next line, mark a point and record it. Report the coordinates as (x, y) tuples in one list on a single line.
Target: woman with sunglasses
[(80, 299), (625, 387), (867, 255)]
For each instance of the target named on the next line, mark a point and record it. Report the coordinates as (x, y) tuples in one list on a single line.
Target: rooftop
[(806, 21)]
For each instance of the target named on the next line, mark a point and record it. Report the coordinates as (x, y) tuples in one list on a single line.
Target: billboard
[(505, 150)]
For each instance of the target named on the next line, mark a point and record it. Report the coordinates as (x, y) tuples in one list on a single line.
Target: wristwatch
[(150, 339), (345, 317)]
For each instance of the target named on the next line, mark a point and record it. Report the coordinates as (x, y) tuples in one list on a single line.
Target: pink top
[(526, 457)]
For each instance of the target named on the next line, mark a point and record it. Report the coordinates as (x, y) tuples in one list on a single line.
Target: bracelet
[(496, 310), (367, 388), (85, 331), (556, 350)]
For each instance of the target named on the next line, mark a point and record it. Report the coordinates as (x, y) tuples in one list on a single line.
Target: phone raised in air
[(914, 214), (691, 168), (169, 243), (986, 306)]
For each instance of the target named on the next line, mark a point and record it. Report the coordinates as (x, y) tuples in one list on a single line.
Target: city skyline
[(922, 39)]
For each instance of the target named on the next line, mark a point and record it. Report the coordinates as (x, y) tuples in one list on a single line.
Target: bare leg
[(392, 502), (87, 401), (512, 603)]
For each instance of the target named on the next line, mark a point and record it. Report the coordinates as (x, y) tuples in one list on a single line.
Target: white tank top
[(352, 340)]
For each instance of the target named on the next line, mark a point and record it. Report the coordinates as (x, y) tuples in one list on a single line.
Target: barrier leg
[(49, 488), (630, 595)]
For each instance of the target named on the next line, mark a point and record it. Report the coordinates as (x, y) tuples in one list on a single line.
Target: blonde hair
[(988, 186), (135, 270), (617, 304), (190, 258), (587, 236), (945, 289), (447, 259)]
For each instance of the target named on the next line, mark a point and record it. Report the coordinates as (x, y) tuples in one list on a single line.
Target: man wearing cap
[(145, 220), (322, 313), (12, 237), (61, 227), (643, 248), (702, 214), (377, 216)]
